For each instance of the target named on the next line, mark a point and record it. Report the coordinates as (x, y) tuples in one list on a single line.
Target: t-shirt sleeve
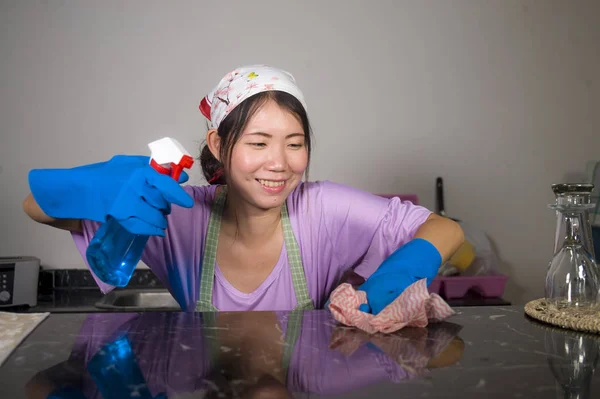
[(365, 228), (175, 258)]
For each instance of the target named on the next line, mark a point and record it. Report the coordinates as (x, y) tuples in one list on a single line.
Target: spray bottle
[(114, 252)]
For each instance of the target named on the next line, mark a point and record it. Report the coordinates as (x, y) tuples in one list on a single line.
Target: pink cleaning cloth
[(415, 307)]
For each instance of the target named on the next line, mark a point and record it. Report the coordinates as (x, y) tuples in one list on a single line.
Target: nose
[(277, 161)]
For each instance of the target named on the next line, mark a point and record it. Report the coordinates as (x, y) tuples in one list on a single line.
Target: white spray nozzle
[(167, 150)]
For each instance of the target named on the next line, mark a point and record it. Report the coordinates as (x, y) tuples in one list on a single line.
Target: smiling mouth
[(271, 183)]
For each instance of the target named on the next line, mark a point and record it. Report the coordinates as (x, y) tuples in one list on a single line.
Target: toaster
[(19, 280)]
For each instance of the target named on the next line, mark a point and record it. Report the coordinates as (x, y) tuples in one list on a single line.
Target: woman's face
[(270, 157)]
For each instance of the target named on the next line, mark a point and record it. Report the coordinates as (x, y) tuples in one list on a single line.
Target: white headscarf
[(242, 83)]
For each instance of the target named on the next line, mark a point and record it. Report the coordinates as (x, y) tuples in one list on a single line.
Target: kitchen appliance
[(19, 280)]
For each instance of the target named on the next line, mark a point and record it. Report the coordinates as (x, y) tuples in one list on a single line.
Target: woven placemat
[(585, 319)]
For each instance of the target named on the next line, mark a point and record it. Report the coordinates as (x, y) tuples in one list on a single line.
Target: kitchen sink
[(137, 300)]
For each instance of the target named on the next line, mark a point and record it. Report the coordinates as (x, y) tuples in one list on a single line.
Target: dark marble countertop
[(491, 352)]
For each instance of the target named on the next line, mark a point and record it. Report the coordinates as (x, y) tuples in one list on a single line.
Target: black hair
[(230, 131)]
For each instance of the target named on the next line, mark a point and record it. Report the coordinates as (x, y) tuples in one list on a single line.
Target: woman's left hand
[(435, 242), (414, 261)]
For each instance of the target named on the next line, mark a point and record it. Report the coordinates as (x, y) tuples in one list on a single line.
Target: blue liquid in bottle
[(114, 253)]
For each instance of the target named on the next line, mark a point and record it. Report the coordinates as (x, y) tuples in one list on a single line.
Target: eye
[(257, 145), (296, 145)]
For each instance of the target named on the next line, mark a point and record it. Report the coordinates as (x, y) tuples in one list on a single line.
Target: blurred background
[(500, 98)]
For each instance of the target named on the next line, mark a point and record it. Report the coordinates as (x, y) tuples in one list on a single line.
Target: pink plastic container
[(435, 286), (491, 286)]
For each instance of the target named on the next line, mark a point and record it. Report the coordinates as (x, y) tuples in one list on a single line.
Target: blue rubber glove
[(410, 263), (125, 187)]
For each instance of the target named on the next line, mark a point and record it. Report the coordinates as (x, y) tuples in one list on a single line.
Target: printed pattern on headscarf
[(242, 83), (415, 307)]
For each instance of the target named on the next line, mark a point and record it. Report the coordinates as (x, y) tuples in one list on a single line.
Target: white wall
[(501, 98)]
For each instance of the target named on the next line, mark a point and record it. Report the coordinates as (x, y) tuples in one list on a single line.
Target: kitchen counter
[(83, 301), (75, 291), (491, 352), (68, 301)]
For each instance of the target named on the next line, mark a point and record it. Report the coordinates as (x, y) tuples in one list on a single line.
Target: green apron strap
[(209, 258), (204, 303), (295, 261)]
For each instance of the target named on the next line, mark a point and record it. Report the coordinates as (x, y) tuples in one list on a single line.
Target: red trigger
[(159, 168), (176, 169)]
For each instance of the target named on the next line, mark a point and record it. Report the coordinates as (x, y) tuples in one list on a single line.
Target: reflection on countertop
[(480, 352)]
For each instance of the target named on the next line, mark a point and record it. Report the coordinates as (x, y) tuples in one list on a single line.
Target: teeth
[(269, 183)]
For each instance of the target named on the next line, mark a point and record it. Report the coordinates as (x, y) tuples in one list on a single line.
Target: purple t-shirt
[(337, 228)]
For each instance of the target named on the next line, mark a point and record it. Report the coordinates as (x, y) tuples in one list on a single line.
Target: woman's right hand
[(145, 199), (125, 187)]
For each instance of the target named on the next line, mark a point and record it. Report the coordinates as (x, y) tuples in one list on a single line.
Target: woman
[(257, 237)]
